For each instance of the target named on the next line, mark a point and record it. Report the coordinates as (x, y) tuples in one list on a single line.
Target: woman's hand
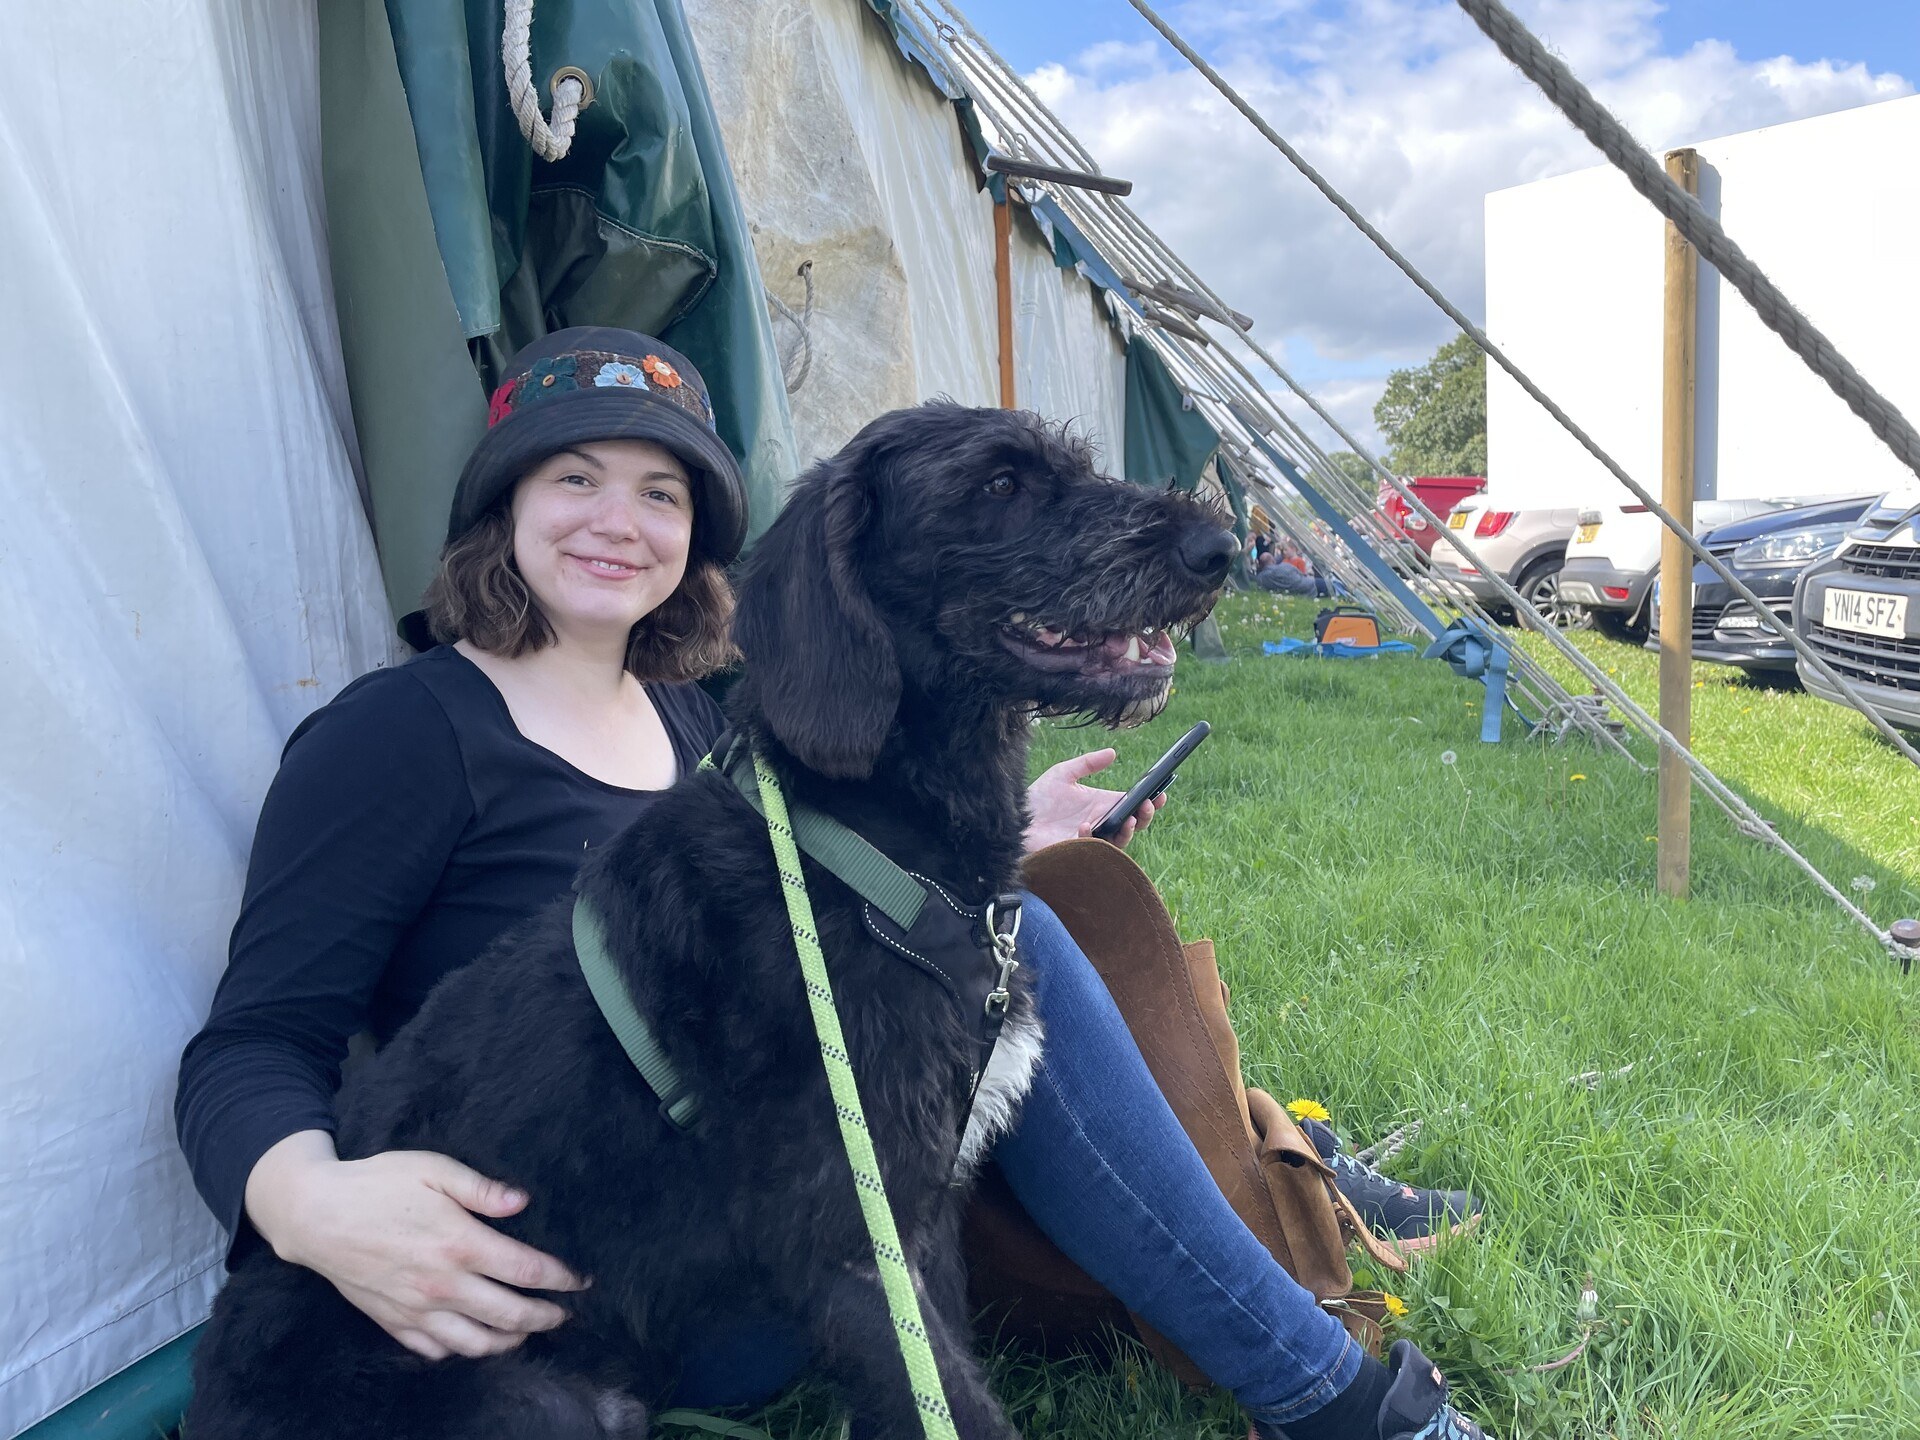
[(1063, 808), (394, 1234)]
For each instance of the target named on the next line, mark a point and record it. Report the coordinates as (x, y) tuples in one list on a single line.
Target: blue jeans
[(1103, 1167)]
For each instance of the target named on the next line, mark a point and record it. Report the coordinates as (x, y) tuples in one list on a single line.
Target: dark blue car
[(1860, 611), (1768, 552)]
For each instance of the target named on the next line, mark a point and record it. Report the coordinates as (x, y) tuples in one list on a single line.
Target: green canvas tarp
[(638, 225), (1169, 442)]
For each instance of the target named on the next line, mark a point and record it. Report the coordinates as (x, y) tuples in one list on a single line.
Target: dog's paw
[(620, 1415)]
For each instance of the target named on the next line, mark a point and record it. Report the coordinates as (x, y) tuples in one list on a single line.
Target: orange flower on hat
[(661, 371)]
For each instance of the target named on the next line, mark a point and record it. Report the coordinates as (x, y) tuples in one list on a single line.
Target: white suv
[(1526, 548), (1614, 555)]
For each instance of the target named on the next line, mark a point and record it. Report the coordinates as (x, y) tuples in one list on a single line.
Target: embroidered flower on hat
[(501, 405), (619, 372), (661, 371), (555, 374)]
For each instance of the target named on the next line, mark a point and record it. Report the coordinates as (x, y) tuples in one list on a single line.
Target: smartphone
[(1151, 783)]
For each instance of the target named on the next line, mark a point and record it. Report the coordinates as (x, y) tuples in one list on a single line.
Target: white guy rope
[(1805, 652), (550, 140)]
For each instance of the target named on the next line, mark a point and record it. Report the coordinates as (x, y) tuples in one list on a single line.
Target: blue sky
[(1411, 112), (1882, 34)]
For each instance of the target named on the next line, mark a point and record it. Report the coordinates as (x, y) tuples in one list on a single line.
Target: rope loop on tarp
[(572, 90)]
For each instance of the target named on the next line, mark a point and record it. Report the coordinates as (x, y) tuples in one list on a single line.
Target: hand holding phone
[(1157, 778)]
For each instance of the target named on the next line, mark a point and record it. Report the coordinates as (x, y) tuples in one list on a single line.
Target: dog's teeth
[(1133, 647), (1019, 617)]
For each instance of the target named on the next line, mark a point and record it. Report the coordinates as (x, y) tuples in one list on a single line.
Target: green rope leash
[(936, 1420)]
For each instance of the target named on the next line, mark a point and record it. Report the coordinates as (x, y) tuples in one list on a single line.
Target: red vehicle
[(1439, 493)]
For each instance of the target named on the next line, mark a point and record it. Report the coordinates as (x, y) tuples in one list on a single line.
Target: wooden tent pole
[(1678, 402), (1003, 297)]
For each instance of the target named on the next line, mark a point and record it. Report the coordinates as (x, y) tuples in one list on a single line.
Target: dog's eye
[(1001, 486)]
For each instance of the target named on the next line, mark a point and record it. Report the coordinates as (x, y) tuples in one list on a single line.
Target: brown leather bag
[(1175, 1003)]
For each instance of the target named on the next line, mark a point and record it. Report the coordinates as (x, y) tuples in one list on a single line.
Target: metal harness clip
[(1005, 953)]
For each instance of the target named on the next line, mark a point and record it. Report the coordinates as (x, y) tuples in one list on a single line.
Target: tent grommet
[(572, 72)]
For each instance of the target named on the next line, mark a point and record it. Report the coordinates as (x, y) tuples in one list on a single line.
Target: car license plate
[(1457, 522), (1584, 535), (1865, 613)]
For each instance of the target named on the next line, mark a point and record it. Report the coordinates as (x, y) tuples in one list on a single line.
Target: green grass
[(1410, 937), (1821, 768)]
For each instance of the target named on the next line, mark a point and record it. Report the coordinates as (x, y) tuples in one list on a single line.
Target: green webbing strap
[(936, 1420), (679, 1105), (871, 875)]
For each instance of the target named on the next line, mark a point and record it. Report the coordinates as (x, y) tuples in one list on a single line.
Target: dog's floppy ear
[(820, 661)]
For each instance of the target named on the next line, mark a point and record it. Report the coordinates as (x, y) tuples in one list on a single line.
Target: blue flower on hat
[(618, 372), (550, 376)]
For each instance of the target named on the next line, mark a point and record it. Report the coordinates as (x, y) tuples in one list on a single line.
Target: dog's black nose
[(1207, 552)]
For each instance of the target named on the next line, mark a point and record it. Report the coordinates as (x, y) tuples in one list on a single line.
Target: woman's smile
[(606, 568)]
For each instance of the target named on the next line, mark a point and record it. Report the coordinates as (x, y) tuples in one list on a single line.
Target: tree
[(1434, 416)]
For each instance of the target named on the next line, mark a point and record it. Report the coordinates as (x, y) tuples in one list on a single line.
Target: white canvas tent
[(188, 569), (186, 572), (849, 155)]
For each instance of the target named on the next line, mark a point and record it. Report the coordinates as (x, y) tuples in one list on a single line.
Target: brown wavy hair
[(478, 595)]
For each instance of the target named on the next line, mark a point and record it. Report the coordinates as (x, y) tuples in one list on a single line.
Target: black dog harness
[(969, 951)]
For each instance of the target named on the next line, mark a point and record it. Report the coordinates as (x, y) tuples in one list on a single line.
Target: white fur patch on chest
[(1009, 1076)]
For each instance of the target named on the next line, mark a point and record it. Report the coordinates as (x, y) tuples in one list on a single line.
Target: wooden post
[(1677, 410), (1003, 297)]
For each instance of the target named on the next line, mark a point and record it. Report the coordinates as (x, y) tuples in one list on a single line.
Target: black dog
[(949, 574)]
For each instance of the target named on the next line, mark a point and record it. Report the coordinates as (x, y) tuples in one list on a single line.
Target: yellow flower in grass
[(1396, 1307), (1576, 776), (1308, 1110)]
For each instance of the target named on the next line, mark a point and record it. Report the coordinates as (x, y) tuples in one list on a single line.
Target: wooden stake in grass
[(1677, 400)]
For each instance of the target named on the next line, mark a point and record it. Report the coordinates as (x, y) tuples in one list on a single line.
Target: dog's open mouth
[(1146, 652)]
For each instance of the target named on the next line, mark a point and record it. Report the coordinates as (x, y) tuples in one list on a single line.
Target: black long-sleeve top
[(410, 824)]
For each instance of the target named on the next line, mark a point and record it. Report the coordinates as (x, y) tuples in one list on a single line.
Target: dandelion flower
[(1576, 776), (1447, 757), (1308, 1110), (1588, 1310), (1863, 884), (1396, 1307)]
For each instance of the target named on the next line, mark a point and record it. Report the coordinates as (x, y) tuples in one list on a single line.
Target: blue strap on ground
[(1468, 649), (1475, 656), (1336, 649)]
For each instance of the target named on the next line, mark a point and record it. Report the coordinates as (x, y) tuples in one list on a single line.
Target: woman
[(430, 806)]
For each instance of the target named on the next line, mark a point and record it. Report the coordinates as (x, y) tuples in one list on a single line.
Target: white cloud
[(1405, 107)]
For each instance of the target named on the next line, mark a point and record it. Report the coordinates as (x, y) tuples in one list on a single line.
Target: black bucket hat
[(600, 383), (597, 382)]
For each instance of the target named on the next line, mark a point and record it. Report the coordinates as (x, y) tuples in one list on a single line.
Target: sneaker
[(1414, 1407), (1416, 1404), (1410, 1218)]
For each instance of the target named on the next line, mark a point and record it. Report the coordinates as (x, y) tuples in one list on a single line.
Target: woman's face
[(601, 533)]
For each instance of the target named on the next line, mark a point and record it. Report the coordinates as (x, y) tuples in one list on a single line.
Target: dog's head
[(967, 555)]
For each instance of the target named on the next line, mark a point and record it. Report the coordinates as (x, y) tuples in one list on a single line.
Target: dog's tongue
[(1153, 649)]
